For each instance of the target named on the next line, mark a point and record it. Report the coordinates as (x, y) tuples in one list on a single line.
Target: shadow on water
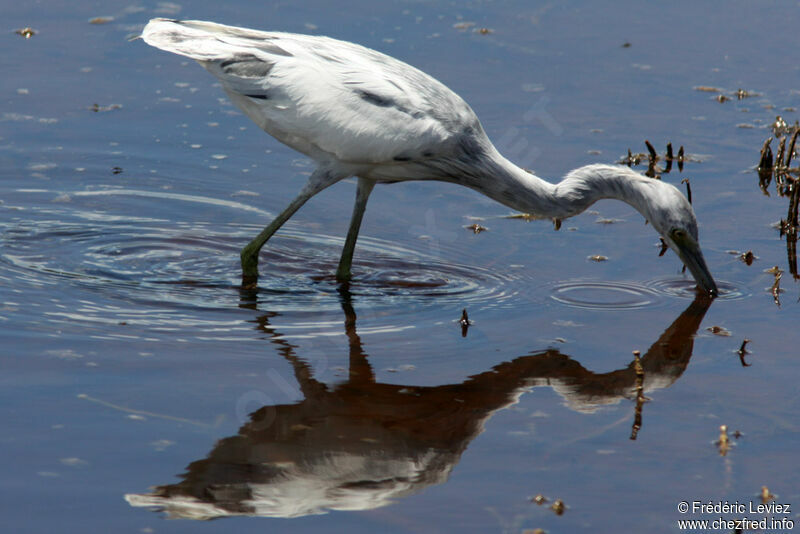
[(359, 444)]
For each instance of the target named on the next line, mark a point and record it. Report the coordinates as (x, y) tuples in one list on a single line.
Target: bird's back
[(335, 101)]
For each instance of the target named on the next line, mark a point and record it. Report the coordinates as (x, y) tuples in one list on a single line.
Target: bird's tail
[(201, 40)]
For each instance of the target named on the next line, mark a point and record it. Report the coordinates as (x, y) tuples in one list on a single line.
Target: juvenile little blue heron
[(357, 112)]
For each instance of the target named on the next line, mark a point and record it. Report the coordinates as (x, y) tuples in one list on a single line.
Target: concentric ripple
[(604, 295), (176, 265), (599, 295)]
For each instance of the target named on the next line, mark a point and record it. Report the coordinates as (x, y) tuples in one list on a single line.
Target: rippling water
[(141, 381)]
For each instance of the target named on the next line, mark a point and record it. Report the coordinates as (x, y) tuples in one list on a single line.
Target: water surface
[(141, 383)]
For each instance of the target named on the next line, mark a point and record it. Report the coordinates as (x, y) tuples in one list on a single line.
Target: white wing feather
[(326, 98)]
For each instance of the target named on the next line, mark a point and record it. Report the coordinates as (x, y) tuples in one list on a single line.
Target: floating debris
[(598, 258), (631, 160), (639, 391), (748, 257), (464, 322), (652, 157), (719, 331), (723, 443), (626, 44), (765, 166), (776, 285), (26, 32), (742, 352), (476, 228), (790, 154), (787, 184), (527, 217), (116, 170), (668, 158), (101, 20), (688, 189), (558, 507), (664, 247), (766, 495), (97, 108), (724, 96), (539, 499), (651, 150), (464, 25), (779, 127), (484, 31), (606, 220)]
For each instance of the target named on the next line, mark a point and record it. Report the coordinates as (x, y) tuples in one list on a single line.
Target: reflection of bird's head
[(673, 218)]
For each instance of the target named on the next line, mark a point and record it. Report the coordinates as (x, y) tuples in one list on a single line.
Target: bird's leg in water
[(316, 183), (362, 195)]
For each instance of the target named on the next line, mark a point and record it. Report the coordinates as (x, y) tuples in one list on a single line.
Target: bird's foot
[(249, 282), (343, 275), (249, 269)]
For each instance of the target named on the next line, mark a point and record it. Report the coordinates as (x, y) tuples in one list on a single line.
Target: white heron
[(358, 112)]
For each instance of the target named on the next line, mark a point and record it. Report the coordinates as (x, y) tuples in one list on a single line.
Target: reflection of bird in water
[(357, 112), (359, 444)]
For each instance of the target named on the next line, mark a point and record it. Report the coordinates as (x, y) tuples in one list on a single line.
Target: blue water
[(141, 383)]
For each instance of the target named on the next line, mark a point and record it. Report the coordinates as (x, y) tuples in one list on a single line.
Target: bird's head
[(673, 217)]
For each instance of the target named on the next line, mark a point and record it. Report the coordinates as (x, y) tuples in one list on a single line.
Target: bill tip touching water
[(358, 112)]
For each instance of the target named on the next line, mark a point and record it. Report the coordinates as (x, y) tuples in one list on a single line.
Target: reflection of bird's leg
[(360, 368), (309, 386), (318, 181), (362, 195)]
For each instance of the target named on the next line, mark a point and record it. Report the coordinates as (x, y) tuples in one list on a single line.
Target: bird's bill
[(689, 251)]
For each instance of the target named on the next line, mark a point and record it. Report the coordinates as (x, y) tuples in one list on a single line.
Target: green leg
[(362, 195), (316, 183)]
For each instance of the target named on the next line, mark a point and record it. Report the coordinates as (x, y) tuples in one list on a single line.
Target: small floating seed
[(719, 331), (26, 32), (747, 257), (476, 228)]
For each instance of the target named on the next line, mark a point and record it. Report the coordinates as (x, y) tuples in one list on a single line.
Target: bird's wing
[(324, 97)]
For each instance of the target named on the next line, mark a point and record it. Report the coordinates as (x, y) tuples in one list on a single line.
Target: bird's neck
[(578, 190)]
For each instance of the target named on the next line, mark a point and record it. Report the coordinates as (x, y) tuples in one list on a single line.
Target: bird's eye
[(678, 233)]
